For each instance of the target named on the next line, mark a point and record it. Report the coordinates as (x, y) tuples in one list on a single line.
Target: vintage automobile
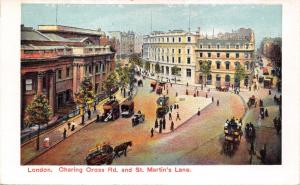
[(137, 119), (127, 108), (162, 106), (111, 110), (100, 155)]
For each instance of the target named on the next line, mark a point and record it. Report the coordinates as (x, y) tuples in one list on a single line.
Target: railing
[(31, 134)]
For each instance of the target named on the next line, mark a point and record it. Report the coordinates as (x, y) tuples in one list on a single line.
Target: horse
[(122, 148)]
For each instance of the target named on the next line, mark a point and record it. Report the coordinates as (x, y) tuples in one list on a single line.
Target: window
[(167, 58), (179, 39), (162, 69), (208, 55), (208, 46), (90, 69), (218, 55), (179, 59), (179, 51), (172, 50), (237, 55), (188, 51), (188, 60), (97, 68), (247, 46), (237, 46), (173, 39), (167, 70), (189, 39), (59, 74), (246, 55), (200, 46), (168, 39), (236, 64), (227, 55), (188, 72), (218, 46), (218, 64), (68, 71), (163, 39), (227, 65), (227, 46), (28, 84), (172, 59), (162, 58), (201, 54)]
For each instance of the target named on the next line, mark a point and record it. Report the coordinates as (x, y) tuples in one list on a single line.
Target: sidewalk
[(28, 150)]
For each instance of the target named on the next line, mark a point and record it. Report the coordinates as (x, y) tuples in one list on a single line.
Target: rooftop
[(60, 28)]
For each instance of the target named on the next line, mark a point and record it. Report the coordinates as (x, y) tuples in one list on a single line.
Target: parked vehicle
[(127, 108), (111, 110), (137, 119)]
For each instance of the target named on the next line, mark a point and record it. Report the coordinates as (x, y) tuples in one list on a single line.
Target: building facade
[(124, 43), (174, 48), (224, 53), (188, 51), (56, 59)]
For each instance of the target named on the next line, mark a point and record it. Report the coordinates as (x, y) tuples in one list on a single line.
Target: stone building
[(55, 59), (124, 43)]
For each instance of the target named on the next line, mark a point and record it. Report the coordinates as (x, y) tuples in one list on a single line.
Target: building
[(224, 53), (173, 48), (55, 59), (124, 43), (138, 43)]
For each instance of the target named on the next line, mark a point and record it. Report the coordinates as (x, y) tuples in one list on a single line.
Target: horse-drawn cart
[(233, 133), (98, 156), (111, 110)]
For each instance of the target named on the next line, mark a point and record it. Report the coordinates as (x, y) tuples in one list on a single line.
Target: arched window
[(218, 78), (227, 64), (218, 64), (227, 78)]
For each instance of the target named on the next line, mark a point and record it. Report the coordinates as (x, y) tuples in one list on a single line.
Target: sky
[(265, 20)]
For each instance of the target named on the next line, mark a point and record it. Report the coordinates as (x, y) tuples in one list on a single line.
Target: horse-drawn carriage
[(137, 119), (111, 110), (127, 108), (222, 89), (233, 133), (106, 153), (251, 101), (162, 106)]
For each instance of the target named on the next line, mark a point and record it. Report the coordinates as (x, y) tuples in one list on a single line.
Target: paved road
[(198, 141)]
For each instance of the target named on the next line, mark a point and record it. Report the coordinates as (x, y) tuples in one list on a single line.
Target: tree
[(239, 73), (147, 65), (205, 70), (175, 71), (86, 96), (38, 113), (110, 83), (136, 60)]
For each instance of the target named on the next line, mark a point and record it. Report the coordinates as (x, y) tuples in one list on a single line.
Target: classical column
[(52, 90), (75, 85), (40, 83)]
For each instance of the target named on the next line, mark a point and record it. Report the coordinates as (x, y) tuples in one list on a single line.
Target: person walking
[(198, 113), (152, 131), (178, 117), (172, 126), (218, 102), (156, 124), (171, 107), (206, 95), (69, 125), (65, 133), (212, 99)]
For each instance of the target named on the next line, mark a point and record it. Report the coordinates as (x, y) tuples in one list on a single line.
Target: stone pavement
[(188, 107), (55, 135)]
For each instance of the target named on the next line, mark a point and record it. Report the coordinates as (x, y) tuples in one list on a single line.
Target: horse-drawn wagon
[(127, 108), (138, 118), (111, 110), (232, 136)]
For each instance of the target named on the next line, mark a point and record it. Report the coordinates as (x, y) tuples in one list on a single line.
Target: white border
[(12, 172)]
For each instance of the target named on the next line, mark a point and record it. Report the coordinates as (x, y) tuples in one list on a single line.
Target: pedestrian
[(171, 107), (156, 123), (176, 94), (218, 102), (263, 153), (186, 92), (172, 126), (187, 84), (170, 116), (69, 125), (231, 86), (167, 91), (249, 87), (65, 133), (212, 99), (178, 117), (197, 93), (177, 106), (266, 113), (164, 123), (198, 113), (270, 92), (73, 126), (206, 95), (152, 131), (171, 84)]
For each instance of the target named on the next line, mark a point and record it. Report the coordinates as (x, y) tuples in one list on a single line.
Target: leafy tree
[(110, 83), (147, 65), (205, 70), (239, 73), (175, 71), (136, 60), (38, 113), (86, 96)]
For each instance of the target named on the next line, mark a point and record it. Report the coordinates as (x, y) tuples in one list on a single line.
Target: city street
[(197, 141)]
